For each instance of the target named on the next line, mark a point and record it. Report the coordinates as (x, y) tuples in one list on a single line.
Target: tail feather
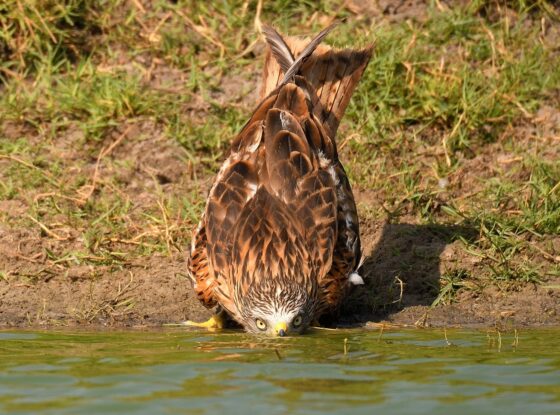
[(332, 73), (305, 53), (278, 47)]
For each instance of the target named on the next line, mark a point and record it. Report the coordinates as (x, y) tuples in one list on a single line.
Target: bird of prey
[(278, 243)]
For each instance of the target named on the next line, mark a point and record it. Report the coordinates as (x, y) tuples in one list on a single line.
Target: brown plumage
[(278, 243)]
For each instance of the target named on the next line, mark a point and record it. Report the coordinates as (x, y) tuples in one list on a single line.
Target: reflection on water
[(179, 372)]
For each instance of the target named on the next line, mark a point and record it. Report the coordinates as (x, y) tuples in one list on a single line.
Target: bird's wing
[(235, 184), (347, 250), (272, 209), (198, 267), (296, 144), (306, 174), (330, 77), (315, 187), (268, 245)]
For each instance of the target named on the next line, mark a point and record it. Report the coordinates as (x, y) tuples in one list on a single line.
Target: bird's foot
[(216, 322)]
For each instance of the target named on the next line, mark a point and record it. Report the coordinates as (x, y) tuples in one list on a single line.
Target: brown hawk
[(278, 244)]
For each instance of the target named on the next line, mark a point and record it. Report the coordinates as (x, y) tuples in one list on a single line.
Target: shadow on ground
[(402, 270)]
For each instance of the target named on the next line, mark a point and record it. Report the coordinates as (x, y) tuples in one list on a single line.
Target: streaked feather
[(278, 47), (305, 53)]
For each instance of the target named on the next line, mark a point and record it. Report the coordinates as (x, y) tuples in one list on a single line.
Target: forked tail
[(332, 73)]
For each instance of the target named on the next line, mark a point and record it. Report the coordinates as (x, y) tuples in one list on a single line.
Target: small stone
[(443, 183)]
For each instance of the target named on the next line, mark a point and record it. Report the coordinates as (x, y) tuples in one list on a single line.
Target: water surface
[(326, 372)]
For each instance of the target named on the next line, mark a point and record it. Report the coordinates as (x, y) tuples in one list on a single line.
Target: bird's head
[(277, 308)]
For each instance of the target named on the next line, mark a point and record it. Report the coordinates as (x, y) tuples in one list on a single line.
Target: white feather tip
[(356, 279)]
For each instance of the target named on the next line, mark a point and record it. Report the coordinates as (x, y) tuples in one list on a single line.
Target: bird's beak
[(281, 329)]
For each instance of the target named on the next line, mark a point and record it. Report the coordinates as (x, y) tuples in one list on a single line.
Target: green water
[(179, 372)]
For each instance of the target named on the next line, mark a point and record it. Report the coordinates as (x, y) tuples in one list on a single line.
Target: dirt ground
[(402, 270), (404, 266)]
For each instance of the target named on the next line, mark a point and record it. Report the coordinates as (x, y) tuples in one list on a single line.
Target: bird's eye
[(260, 324), (297, 321)]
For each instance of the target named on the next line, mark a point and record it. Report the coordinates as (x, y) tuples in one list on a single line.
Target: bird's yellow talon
[(216, 322)]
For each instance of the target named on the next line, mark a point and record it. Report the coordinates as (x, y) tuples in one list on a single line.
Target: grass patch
[(115, 114)]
